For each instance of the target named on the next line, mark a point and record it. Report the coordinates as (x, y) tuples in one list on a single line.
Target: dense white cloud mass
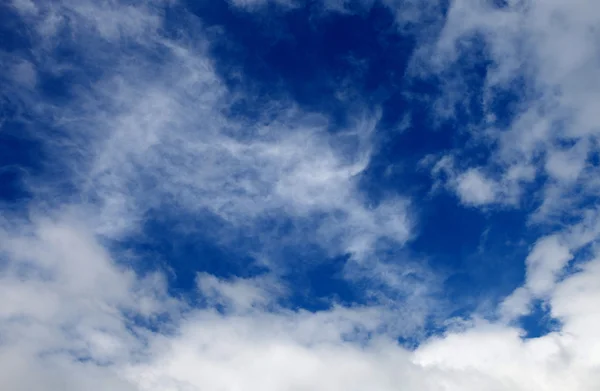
[(148, 133), (67, 330)]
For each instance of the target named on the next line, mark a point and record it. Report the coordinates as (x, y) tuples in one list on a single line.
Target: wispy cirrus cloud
[(146, 132)]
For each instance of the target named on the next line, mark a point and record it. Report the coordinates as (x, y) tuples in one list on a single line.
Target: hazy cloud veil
[(128, 121)]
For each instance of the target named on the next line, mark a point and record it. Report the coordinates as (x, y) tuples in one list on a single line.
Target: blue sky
[(291, 195)]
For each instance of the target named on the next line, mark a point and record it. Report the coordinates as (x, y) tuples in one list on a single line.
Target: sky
[(286, 195)]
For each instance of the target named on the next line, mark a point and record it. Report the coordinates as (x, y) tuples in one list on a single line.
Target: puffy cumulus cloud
[(89, 330), (292, 352), (473, 188), (545, 53), (65, 301), (548, 258), (548, 262)]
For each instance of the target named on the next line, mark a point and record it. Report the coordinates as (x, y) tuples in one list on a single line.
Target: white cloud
[(152, 133), (566, 165), (472, 186), (146, 135), (546, 264), (239, 294), (64, 332), (475, 189), (549, 48), (64, 302), (545, 261)]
